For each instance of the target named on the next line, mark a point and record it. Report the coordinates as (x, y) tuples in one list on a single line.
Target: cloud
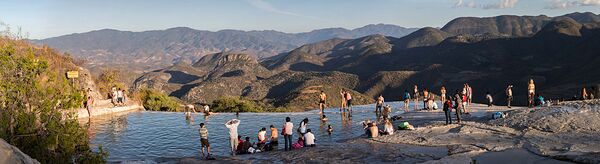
[(502, 4), (562, 4), (268, 7)]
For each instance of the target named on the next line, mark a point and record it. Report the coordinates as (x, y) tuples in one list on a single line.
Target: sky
[(45, 18)]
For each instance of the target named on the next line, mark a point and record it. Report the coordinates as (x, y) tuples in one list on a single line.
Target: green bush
[(33, 99), (157, 101), (238, 104)]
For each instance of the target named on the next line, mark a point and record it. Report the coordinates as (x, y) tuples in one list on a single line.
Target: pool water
[(149, 135)]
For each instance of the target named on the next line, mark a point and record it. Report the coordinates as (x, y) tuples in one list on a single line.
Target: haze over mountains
[(150, 50), (488, 53)]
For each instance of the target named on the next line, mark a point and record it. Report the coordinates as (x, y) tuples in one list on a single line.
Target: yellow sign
[(72, 74)]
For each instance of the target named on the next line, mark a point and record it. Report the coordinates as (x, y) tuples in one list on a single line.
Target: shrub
[(157, 101), (33, 99), (239, 104)]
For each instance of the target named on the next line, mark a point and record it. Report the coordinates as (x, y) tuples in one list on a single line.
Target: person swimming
[(324, 119), (329, 129)]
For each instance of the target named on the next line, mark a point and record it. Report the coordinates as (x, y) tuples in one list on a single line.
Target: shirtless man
[(379, 105), (531, 92), (443, 94), (322, 101), (274, 136), (469, 94)]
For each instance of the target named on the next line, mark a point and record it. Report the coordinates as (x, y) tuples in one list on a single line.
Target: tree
[(33, 99)]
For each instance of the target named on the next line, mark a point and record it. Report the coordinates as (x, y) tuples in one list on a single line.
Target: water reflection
[(151, 135)]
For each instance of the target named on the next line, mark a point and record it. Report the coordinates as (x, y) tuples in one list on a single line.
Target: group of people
[(118, 96), (429, 99), (458, 102), (587, 95), (346, 101), (372, 131), (239, 146)]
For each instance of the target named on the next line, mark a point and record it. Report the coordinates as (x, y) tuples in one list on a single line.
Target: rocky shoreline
[(558, 134)]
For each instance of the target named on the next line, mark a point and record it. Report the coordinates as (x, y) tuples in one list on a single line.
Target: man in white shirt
[(233, 134), (309, 138)]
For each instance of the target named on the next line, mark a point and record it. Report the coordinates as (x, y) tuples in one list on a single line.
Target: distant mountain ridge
[(517, 26), (149, 50)]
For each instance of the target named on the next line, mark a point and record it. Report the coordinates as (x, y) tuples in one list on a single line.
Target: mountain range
[(149, 50), (559, 53)]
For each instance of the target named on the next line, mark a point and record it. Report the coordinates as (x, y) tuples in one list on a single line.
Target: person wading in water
[(322, 101), (343, 99)]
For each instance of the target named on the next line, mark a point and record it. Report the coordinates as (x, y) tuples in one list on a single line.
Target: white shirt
[(206, 108), (389, 129), (120, 94), (489, 97), (309, 138), (261, 135), (288, 126), (233, 128), (302, 127)]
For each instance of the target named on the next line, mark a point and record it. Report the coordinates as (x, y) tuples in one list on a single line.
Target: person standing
[(584, 94), (448, 111), (379, 105), (509, 95), (233, 134), (349, 101), (406, 100), (343, 99), (458, 105), (204, 140), (120, 97), (489, 98), (416, 96), (114, 96), (425, 98), (89, 103), (469, 94), (531, 92), (287, 132), (443, 94), (322, 101)]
